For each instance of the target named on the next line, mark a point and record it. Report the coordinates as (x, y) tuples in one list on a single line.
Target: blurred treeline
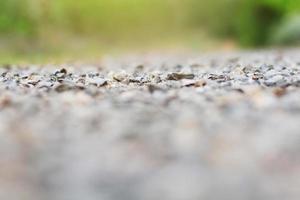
[(248, 22)]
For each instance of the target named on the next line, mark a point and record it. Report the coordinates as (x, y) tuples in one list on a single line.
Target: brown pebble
[(279, 92), (5, 101)]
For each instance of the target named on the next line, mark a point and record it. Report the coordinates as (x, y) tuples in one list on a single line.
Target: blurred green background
[(54, 28)]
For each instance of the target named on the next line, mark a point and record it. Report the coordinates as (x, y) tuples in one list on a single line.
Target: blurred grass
[(42, 29), (77, 48)]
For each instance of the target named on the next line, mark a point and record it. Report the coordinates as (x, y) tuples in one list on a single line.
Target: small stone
[(247, 69), (152, 88), (239, 90), (275, 80), (122, 76), (257, 76), (5, 101), (63, 70), (233, 59), (200, 83), (61, 73), (219, 78), (99, 82), (44, 85), (190, 83), (279, 92), (135, 80), (139, 67), (179, 76), (66, 86), (62, 88)]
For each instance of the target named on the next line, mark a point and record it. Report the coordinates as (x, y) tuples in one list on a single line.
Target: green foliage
[(288, 33), (215, 15), (250, 22), (255, 20), (113, 17), (258, 19), (15, 18)]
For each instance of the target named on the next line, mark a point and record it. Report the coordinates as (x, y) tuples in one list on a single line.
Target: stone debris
[(223, 126)]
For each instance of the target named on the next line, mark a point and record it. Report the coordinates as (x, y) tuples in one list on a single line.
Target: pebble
[(120, 76), (179, 76), (99, 82)]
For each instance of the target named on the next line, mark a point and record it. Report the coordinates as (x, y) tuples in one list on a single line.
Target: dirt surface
[(217, 126)]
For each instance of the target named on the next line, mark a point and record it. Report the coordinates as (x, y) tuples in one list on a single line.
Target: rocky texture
[(158, 127)]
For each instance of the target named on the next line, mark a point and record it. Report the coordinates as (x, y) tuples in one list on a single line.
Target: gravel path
[(217, 126)]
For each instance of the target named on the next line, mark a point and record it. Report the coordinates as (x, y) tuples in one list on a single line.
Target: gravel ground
[(214, 126)]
